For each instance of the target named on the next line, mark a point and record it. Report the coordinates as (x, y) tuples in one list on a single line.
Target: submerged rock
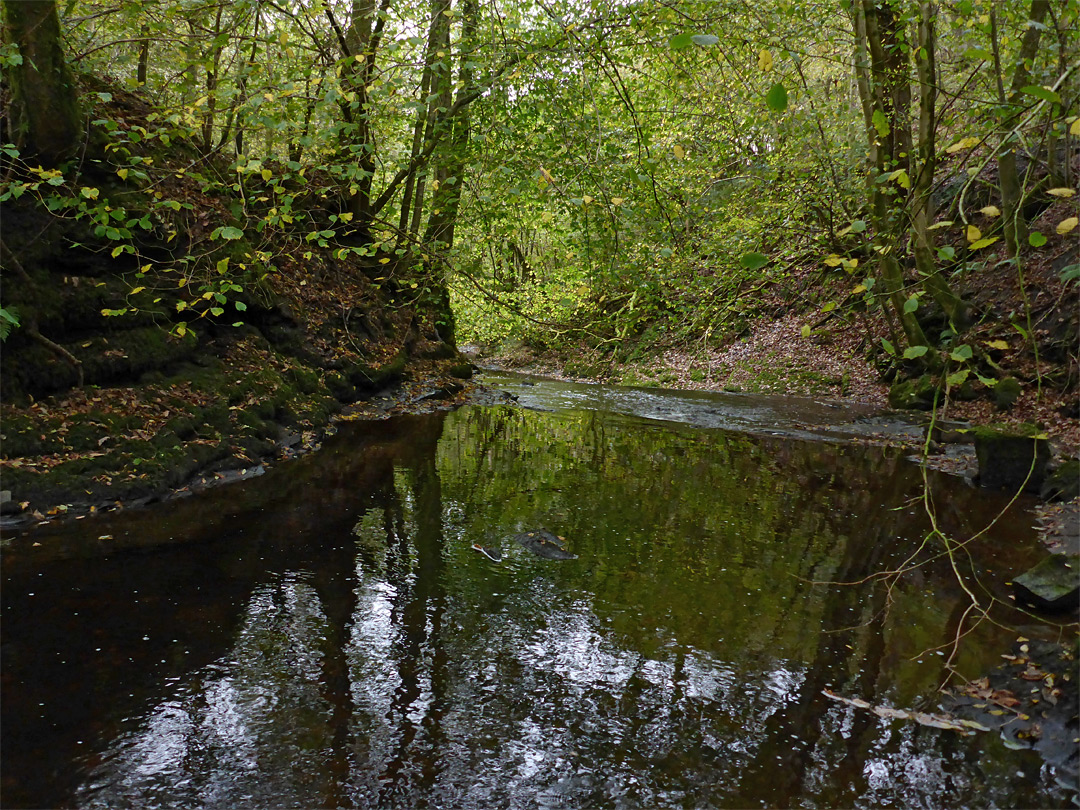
[(1052, 585), (1063, 483), (1010, 459), (544, 544)]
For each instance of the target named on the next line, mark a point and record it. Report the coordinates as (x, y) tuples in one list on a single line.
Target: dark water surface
[(325, 636)]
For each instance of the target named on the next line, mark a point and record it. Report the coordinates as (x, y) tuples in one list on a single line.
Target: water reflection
[(335, 642)]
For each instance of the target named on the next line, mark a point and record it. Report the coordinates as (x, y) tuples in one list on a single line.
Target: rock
[(1063, 484), (1006, 457), (949, 432), (545, 544), (7, 505), (1052, 585), (912, 395), (1006, 392)]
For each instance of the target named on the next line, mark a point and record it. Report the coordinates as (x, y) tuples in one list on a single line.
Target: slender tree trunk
[(46, 120), (1011, 188), (144, 57), (451, 169), (885, 68), (922, 211), (439, 87)]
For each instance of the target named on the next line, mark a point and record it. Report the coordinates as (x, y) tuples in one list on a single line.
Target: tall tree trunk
[(439, 88), (922, 183), (1009, 177), (881, 62), (451, 169), (46, 120), (358, 43)]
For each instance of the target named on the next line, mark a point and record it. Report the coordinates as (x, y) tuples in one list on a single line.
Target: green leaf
[(881, 123), (957, 377), (777, 98), (805, 331), (215, 311), (754, 261), (1041, 92), (911, 352), (681, 41), (858, 226), (228, 232), (888, 347), (911, 304), (829, 307), (1070, 273), (705, 40), (961, 353), (1036, 239)]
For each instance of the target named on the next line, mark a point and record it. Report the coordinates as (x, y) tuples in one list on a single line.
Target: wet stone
[(1052, 585)]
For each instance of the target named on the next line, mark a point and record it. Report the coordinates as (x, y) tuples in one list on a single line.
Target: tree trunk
[(922, 212), (46, 120), (1011, 188), (451, 169), (881, 63)]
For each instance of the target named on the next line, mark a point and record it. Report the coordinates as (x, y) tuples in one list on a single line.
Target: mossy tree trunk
[(1012, 192), (885, 93), (46, 121)]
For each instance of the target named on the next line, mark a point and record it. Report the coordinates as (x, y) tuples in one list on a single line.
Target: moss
[(1006, 393), (917, 394)]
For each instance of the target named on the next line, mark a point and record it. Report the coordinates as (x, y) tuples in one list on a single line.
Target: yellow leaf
[(1066, 225), (990, 211), (346, 217), (997, 344), (546, 216), (764, 61), (384, 260), (1061, 192), (833, 261), (939, 225), (135, 290), (850, 264), (122, 173), (963, 143), (617, 200), (267, 175), (268, 96), (858, 288), (680, 153), (586, 199), (973, 234), (901, 178), (201, 101), (1074, 127), (983, 243)]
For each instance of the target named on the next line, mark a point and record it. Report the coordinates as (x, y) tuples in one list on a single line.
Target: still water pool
[(325, 635)]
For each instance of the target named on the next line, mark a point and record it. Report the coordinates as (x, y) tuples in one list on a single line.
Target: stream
[(325, 635)]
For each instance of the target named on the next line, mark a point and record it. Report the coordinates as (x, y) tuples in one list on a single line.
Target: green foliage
[(9, 319)]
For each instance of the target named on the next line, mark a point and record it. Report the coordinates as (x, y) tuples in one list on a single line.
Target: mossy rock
[(913, 395), (1052, 585), (1011, 457), (1006, 393), (462, 371), (1063, 483)]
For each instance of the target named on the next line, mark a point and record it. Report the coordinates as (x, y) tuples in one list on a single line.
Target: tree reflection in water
[(377, 661)]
